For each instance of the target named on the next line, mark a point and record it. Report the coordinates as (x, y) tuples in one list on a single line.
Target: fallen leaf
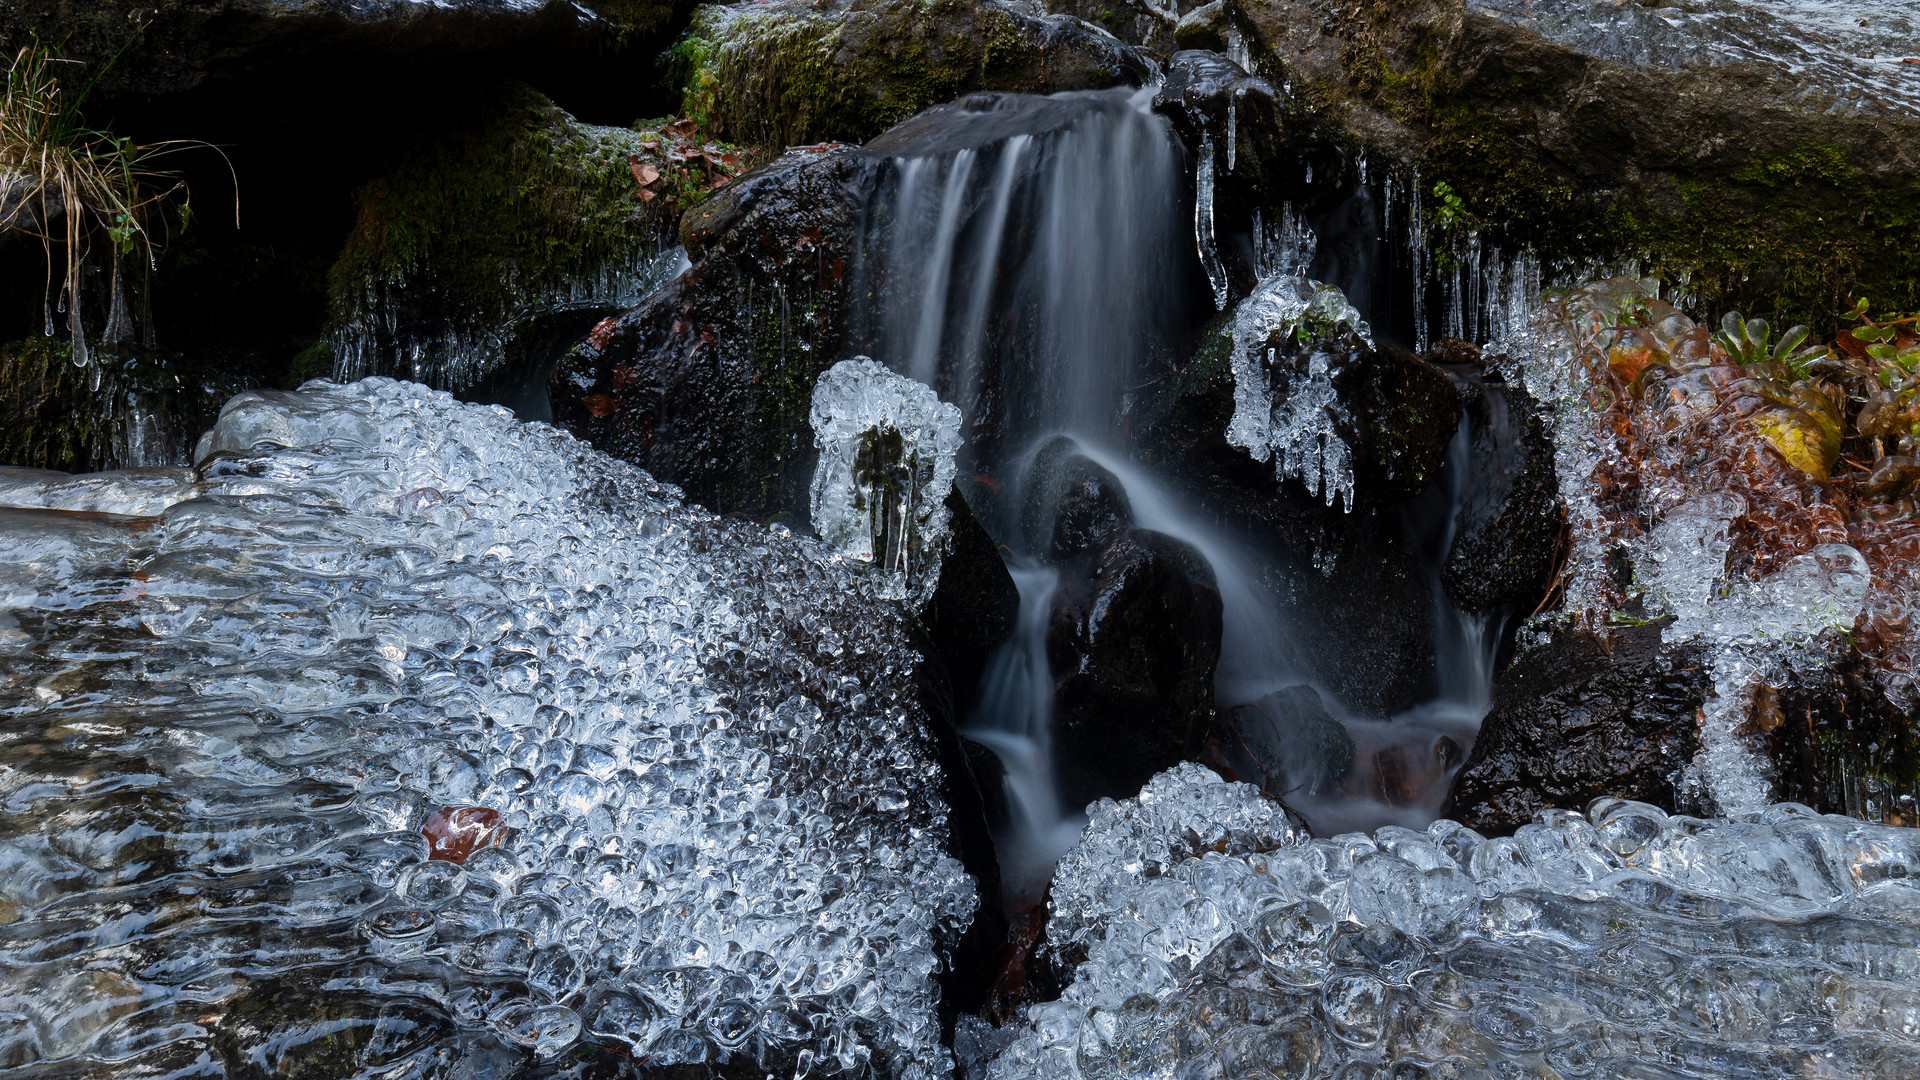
[(647, 173), (600, 405), (602, 333), (455, 832), (647, 196)]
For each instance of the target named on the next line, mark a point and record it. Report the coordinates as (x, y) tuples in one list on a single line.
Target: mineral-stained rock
[(1578, 718), (1133, 642), (796, 71), (708, 382)]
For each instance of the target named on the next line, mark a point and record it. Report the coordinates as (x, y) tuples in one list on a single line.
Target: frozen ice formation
[(887, 451), (1283, 413), (1203, 224), (1850, 55), (1617, 943), (677, 766)]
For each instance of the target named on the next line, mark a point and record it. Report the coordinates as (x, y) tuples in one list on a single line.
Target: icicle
[(1203, 224), (1233, 132)]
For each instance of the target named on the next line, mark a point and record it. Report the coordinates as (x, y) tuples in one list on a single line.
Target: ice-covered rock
[(1279, 411), (887, 451), (424, 741), (1621, 942)]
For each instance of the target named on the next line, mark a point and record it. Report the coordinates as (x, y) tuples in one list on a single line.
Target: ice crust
[(232, 718), (1280, 411), (1621, 942), (1849, 55), (888, 447)]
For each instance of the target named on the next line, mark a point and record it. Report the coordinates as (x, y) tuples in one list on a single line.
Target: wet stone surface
[(428, 742)]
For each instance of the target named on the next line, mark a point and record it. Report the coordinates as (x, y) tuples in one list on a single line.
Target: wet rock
[(1070, 505), (175, 45), (1730, 144), (27, 206), (1836, 741), (974, 607), (708, 383), (796, 71), (1402, 413), (1205, 27), (1578, 718), (1297, 743), (1352, 584), (1133, 642), (1152, 25), (1507, 540)]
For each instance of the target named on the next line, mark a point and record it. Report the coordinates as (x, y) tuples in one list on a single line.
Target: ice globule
[(887, 450), (424, 741), (1288, 337), (1619, 942)]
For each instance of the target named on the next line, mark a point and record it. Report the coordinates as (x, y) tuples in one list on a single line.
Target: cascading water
[(1029, 258)]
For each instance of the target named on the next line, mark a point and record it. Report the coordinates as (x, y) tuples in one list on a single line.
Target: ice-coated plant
[(887, 451)]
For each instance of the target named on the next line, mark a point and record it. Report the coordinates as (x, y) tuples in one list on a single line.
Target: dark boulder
[(974, 607), (1402, 413), (1357, 593), (1070, 505), (1133, 642), (708, 383), (1507, 532), (800, 71), (1294, 741), (1577, 718)]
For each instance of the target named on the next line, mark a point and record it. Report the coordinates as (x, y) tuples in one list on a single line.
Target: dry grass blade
[(70, 186)]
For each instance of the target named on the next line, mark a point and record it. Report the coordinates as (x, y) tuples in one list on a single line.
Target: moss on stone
[(524, 210), (795, 73), (55, 415), (50, 415)]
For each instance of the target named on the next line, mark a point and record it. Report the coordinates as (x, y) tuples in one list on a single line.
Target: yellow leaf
[(1808, 444)]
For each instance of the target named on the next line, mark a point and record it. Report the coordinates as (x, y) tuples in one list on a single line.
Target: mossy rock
[(128, 409), (523, 212), (1759, 193), (796, 72), (143, 48), (708, 383)]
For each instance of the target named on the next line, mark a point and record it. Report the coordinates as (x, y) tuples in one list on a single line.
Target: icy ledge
[(1220, 941), (467, 744)]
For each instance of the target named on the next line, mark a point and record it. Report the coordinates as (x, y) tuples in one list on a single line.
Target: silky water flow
[(1031, 259)]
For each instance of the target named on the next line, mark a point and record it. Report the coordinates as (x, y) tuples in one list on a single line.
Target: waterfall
[(1036, 261)]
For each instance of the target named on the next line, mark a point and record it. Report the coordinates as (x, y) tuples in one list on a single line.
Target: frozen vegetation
[(1289, 337), (1220, 941), (461, 741), (887, 448)]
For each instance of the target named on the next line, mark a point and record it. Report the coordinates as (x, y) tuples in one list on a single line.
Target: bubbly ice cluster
[(674, 770), (1621, 942), (1294, 416), (887, 452)]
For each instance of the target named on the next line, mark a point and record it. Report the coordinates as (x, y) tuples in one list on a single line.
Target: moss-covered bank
[(791, 73)]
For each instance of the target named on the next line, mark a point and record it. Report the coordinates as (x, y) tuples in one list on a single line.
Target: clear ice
[(887, 452), (238, 705), (1203, 225), (1221, 942), (1288, 415)]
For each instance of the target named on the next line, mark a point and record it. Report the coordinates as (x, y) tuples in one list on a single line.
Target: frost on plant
[(1290, 337), (479, 740), (1226, 944), (887, 450)]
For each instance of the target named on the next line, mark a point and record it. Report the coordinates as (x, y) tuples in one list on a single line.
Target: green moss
[(523, 210), (50, 416)]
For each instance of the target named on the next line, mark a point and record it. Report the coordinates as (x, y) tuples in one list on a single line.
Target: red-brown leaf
[(454, 833)]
